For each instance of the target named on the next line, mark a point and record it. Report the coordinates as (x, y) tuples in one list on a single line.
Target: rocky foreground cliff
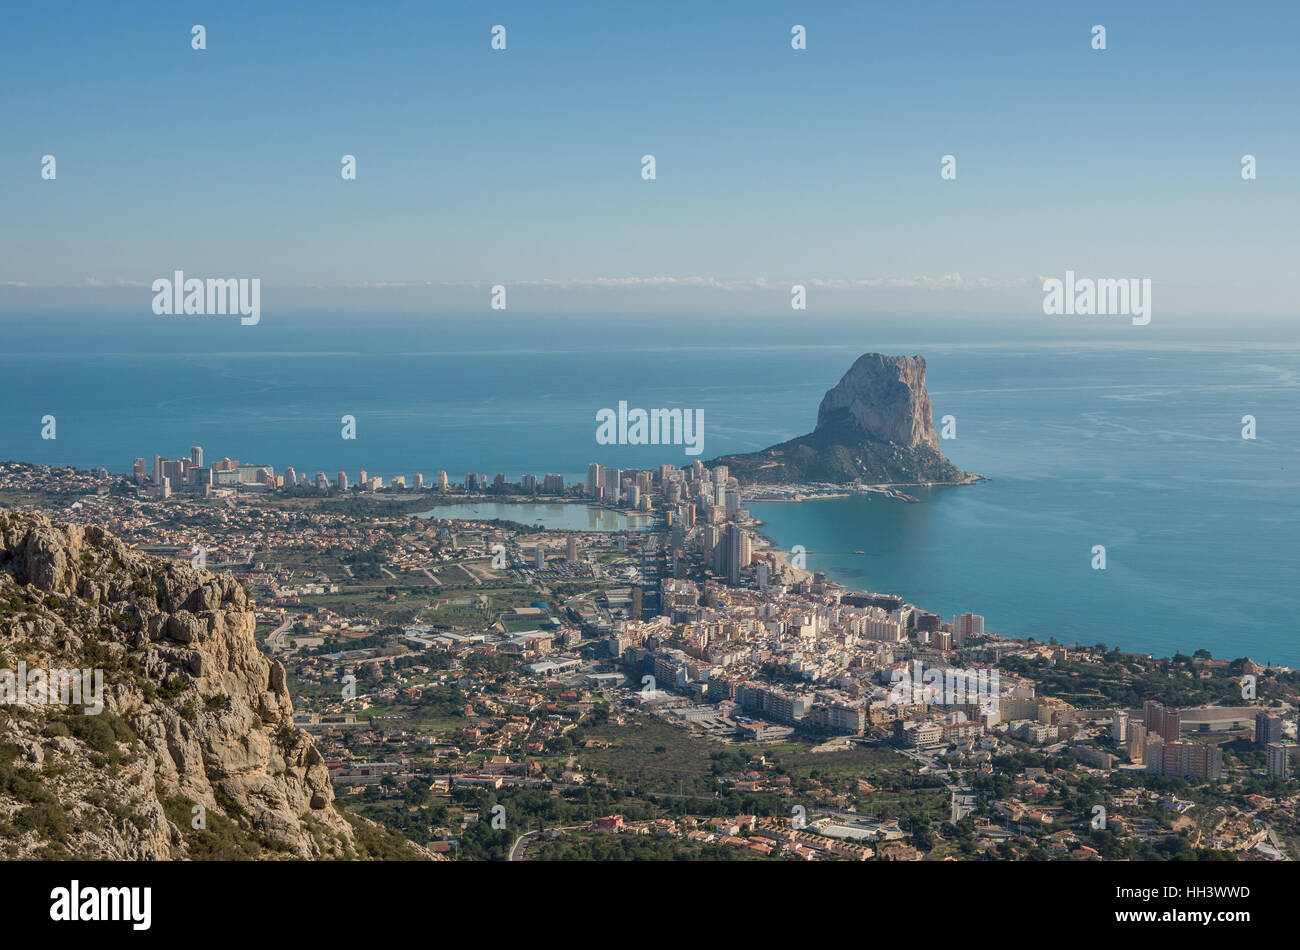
[(875, 427), (195, 753)]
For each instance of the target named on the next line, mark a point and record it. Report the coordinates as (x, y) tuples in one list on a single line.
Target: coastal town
[(668, 683)]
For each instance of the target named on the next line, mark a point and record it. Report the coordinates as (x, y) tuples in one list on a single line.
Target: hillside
[(196, 726)]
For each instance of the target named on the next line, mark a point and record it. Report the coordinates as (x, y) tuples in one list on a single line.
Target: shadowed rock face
[(885, 398), (874, 426), (193, 713)]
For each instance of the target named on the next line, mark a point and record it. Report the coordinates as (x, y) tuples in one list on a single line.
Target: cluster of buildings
[(167, 476), (164, 476), (767, 837), (736, 640), (1278, 754), (807, 655), (1156, 741), (615, 487), (605, 486)]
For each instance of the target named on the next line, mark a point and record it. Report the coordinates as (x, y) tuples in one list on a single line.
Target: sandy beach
[(783, 565)]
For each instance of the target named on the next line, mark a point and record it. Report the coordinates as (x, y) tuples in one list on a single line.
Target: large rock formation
[(196, 723), (875, 426)]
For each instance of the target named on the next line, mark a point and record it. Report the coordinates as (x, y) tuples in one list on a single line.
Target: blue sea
[(1127, 439)]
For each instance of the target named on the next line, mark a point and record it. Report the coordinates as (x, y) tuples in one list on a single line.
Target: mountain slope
[(196, 722)]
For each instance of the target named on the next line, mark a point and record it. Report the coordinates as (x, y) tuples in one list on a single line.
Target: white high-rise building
[(735, 553), (1119, 727), (733, 503), (885, 630), (1277, 759)]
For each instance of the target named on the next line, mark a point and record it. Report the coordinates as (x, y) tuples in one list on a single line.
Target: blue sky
[(522, 167)]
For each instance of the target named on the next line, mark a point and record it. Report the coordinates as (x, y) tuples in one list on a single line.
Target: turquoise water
[(1141, 453), (1128, 440), (577, 517)]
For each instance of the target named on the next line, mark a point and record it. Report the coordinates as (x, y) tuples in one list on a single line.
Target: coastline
[(790, 494), (783, 565)]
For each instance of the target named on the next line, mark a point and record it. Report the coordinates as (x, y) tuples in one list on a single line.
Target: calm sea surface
[(1097, 443)]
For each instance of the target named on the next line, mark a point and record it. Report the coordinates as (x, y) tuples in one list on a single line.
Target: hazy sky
[(774, 166)]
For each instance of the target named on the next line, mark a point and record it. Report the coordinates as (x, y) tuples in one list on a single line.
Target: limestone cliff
[(193, 715), (875, 426)]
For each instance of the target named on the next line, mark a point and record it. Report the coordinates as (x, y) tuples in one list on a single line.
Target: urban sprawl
[(668, 683)]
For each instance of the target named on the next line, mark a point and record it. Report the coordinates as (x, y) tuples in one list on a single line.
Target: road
[(961, 796), (514, 848), (275, 639)]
